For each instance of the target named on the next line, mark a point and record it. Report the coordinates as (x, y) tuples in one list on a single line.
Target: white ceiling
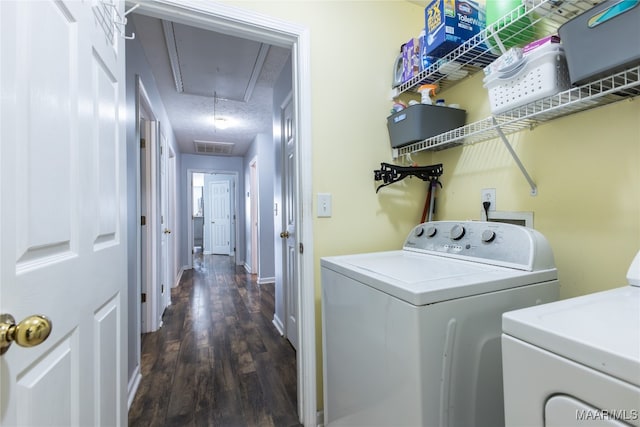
[(202, 73)]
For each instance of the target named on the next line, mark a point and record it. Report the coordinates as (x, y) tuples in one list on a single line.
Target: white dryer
[(412, 337), (575, 362)]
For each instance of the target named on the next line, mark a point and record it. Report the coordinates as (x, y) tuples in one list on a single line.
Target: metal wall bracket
[(505, 141)]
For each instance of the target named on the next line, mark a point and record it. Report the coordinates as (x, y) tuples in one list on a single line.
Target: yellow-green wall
[(587, 170), (586, 165)]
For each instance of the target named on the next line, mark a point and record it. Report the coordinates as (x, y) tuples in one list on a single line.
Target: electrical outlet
[(489, 195)]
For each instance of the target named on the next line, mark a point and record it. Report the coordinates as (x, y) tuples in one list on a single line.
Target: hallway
[(217, 360)]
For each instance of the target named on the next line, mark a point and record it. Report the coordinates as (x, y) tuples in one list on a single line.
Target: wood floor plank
[(217, 360)]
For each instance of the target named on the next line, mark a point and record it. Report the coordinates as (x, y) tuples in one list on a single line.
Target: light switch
[(324, 205)]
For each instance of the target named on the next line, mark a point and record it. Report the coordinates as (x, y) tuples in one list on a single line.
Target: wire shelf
[(543, 17), (617, 87)]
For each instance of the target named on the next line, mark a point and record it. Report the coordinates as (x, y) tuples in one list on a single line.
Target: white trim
[(138, 274), (248, 24), (278, 324), (145, 109), (265, 280), (307, 375), (134, 383), (179, 275), (247, 268)]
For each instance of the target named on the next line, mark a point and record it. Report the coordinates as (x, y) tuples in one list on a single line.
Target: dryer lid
[(633, 275), (599, 330)]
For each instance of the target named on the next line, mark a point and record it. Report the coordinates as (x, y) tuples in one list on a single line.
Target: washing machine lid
[(422, 279), (600, 330)]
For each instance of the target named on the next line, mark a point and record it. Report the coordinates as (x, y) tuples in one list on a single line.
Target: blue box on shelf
[(449, 23)]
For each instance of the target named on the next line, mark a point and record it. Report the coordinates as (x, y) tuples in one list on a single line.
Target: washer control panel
[(487, 242)]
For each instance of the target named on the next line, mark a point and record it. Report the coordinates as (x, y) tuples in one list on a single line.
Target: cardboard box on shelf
[(449, 23)]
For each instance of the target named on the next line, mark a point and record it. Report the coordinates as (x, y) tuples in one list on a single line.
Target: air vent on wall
[(212, 147)]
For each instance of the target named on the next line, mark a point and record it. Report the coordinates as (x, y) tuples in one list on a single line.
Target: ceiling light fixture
[(220, 123)]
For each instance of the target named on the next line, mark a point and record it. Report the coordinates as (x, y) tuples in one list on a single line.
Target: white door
[(173, 261), (62, 212), (254, 196), (220, 217), (165, 284), (152, 301), (290, 283)]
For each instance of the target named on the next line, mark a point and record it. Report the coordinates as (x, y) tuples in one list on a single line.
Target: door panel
[(44, 234), (62, 189), (106, 150), (106, 322), (48, 382)]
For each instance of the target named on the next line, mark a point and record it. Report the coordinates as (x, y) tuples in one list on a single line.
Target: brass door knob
[(30, 332), (284, 235)]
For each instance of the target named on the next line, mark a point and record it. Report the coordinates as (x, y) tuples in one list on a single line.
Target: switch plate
[(489, 195), (324, 205)]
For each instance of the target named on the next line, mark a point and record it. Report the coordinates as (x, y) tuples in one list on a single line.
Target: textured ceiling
[(202, 73)]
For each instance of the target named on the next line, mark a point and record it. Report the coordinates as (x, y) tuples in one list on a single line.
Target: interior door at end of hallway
[(62, 212), (220, 217)]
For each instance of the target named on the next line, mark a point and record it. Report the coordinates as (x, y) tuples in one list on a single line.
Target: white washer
[(575, 362), (412, 337)]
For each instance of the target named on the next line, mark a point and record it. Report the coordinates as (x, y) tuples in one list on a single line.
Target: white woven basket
[(539, 74)]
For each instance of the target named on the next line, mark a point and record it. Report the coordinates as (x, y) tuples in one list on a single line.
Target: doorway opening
[(214, 206), (152, 205), (247, 24)]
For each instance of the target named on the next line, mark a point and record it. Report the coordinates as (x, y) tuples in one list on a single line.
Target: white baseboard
[(278, 324), (320, 419), (134, 383), (180, 273), (247, 268), (265, 280)]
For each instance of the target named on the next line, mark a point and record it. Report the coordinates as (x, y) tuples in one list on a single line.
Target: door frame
[(234, 212), (151, 243), (248, 24)]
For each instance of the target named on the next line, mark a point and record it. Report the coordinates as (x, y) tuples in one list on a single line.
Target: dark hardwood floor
[(217, 360)]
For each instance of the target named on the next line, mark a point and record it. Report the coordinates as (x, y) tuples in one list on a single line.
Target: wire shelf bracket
[(505, 141), (111, 21)]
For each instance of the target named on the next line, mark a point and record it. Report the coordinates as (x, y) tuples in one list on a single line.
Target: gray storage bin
[(602, 41), (422, 121)]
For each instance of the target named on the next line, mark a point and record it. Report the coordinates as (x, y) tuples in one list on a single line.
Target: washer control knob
[(432, 231), (488, 236), (419, 231), (457, 232)]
